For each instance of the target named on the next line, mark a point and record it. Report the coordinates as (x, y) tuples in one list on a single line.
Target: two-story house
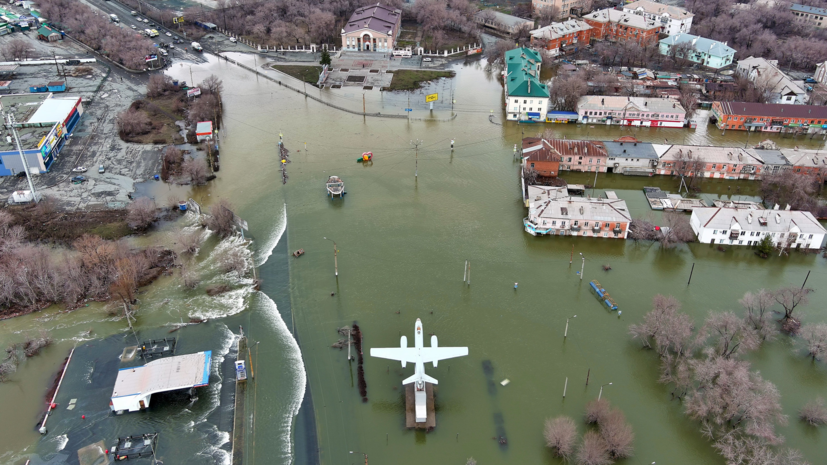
[(620, 26), (770, 117), (631, 111), (766, 75), (559, 37), (550, 214), (736, 226), (706, 52), (674, 19)]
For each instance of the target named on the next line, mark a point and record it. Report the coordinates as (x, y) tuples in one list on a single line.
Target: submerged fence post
[(587, 376), (693, 269), (565, 386), (465, 272)]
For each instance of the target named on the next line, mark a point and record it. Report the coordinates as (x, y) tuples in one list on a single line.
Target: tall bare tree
[(561, 435)]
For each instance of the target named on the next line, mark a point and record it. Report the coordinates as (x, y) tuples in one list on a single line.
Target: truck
[(114, 18), (197, 47)]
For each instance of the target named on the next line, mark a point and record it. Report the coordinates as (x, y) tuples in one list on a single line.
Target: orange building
[(559, 38), (540, 156), (611, 24)]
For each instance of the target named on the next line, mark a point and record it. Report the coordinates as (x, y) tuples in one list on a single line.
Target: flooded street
[(402, 243)]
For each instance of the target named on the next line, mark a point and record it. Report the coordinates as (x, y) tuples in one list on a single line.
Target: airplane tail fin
[(425, 378)]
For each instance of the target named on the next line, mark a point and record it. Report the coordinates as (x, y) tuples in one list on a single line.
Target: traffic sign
[(177, 20), (431, 98), (409, 109)]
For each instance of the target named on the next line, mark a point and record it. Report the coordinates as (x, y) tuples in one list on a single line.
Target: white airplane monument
[(419, 355)]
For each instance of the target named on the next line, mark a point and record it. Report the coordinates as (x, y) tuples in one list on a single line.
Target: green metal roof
[(522, 73)]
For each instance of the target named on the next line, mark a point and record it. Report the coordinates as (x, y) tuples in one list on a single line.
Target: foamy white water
[(271, 242), (294, 370)]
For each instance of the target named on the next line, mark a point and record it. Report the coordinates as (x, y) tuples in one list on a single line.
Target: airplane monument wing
[(407, 354), (430, 354)]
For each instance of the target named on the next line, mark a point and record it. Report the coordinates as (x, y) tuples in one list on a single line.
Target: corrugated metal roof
[(53, 110), (701, 44), (165, 374)]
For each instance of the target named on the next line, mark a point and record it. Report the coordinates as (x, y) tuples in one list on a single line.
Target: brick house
[(541, 156), (710, 162), (807, 162), (615, 25), (770, 117), (581, 155), (559, 37)]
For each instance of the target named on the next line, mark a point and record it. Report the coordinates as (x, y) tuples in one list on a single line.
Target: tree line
[(123, 46), (705, 367)]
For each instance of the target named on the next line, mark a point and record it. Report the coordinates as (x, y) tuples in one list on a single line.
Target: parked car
[(233, 40), (101, 170), (169, 34), (146, 20), (171, 46), (133, 26), (164, 52), (133, 13), (79, 169), (426, 60), (78, 179)]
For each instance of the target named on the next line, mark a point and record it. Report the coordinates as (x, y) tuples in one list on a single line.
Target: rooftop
[(712, 154), (523, 72), (745, 219), (616, 103), (31, 113), (374, 17), (506, 20), (661, 9), (769, 157), (701, 44), (777, 110), (536, 149), (164, 374), (631, 150), (580, 208), (811, 158), (568, 147), (808, 9), (610, 15), (765, 73), (558, 30)]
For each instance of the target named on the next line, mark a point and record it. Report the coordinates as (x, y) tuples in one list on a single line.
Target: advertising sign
[(194, 92), (431, 98)]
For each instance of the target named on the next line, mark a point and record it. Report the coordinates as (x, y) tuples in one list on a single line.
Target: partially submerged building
[(737, 226), (135, 386), (44, 123), (550, 212), (631, 111)]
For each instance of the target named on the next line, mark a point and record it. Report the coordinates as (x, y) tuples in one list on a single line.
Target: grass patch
[(410, 79), (302, 73), (163, 112)]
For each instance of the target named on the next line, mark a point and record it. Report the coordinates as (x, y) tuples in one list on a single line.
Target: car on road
[(78, 179), (426, 60), (169, 34), (171, 46), (233, 40), (79, 169), (146, 20), (164, 52), (101, 170), (133, 13), (134, 26)]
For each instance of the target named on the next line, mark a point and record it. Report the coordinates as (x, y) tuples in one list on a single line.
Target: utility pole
[(416, 145), (56, 67), (596, 170), (10, 124), (335, 256), (583, 266), (566, 332), (364, 108)]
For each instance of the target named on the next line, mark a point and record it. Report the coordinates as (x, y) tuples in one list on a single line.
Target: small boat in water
[(335, 187)]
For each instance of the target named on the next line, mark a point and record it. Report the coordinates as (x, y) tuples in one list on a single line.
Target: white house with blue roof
[(708, 52)]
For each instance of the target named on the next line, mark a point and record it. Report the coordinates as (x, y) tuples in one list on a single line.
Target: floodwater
[(403, 241)]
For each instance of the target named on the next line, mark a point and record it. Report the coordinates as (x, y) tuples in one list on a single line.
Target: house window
[(586, 224), (532, 165), (575, 222), (554, 223), (525, 101), (606, 225), (714, 231)]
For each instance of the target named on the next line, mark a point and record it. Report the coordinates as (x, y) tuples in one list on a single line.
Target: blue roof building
[(707, 52)]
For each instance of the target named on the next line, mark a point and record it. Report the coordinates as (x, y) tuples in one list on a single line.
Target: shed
[(135, 385), (5, 87), (38, 88), (48, 34), (56, 86), (7, 71), (203, 130)]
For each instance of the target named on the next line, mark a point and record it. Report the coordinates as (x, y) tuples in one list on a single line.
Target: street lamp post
[(601, 390), (366, 455), (335, 256), (566, 332), (582, 266)]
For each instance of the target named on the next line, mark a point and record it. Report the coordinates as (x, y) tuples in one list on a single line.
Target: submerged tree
[(814, 412), (758, 316), (816, 337), (593, 450), (561, 436)]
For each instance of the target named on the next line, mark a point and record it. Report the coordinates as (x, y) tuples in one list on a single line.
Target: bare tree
[(618, 434), (665, 327), (790, 298), (17, 49), (678, 229), (688, 99), (596, 411), (758, 306), (642, 230), (593, 450), (729, 334), (212, 85), (158, 85), (816, 337), (133, 122), (235, 259), (495, 54), (565, 91), (189, 242), (561, 435), (814, 412), (172, 162), (470, 461), (195, 171), (789, 188), (221, 219), (547, 15), (141, 213)]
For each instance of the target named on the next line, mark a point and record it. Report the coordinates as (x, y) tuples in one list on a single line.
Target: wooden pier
[(410, 408), (239, 410)]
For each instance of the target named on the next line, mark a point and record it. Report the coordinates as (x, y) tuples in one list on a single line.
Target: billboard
[(431, 98)]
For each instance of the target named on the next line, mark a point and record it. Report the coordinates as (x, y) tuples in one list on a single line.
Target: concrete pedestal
[(410, 408)]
